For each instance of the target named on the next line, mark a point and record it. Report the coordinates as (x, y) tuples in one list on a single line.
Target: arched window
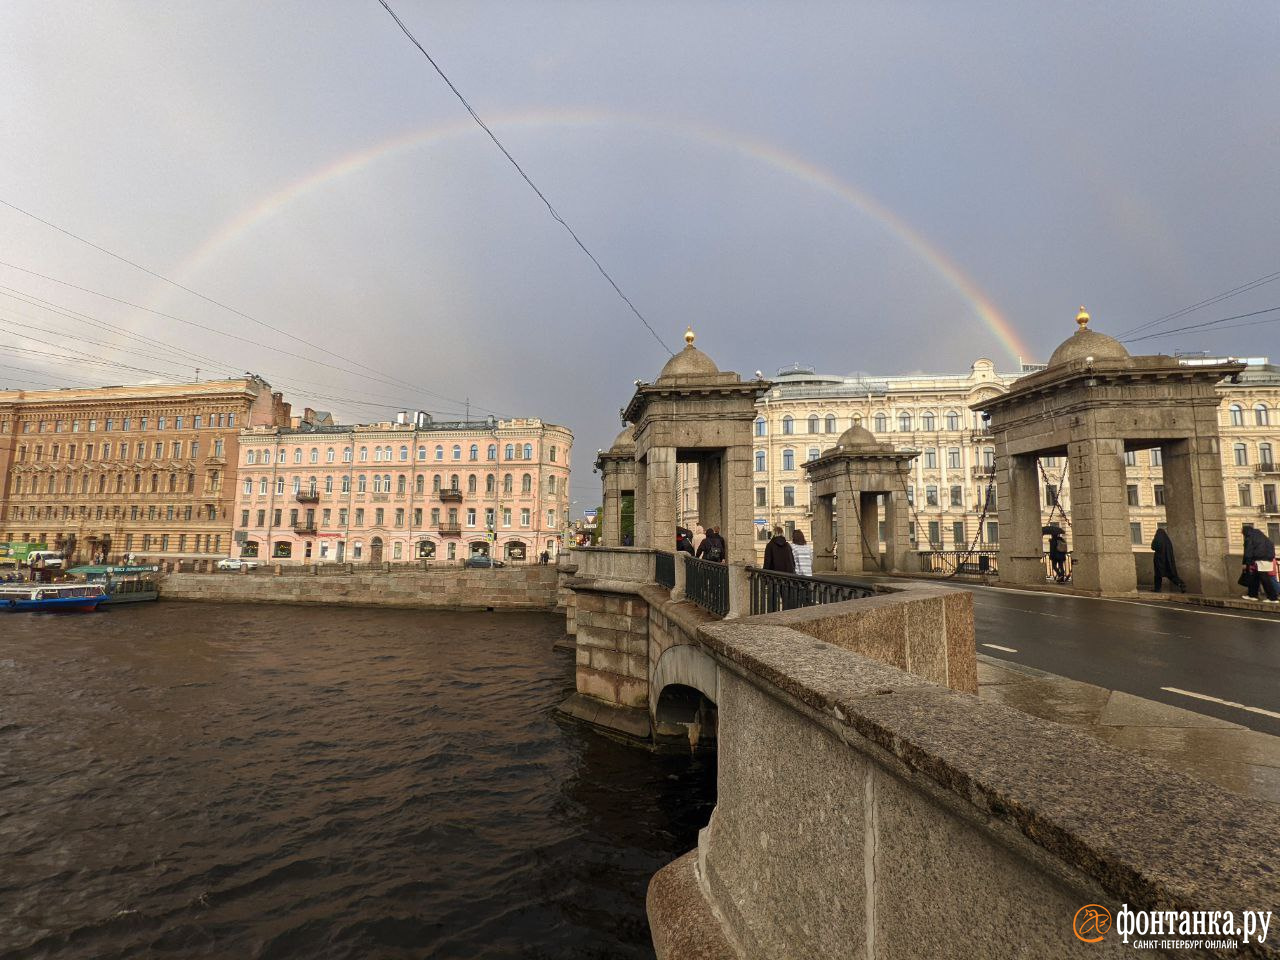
[(813, 423), (759, 461), (814, 453), (453, 482), (422, 453), (490, 484), (281, 455), (328, 484), (297, 485), (953, 420), (262, 487), (528, 451), (493, 451), (315, 455), (761, 430), (926, 421), (475, 451), (346, 454), (471, 483), (404, 453), (1237, 415), (439, 452), (248, 486), (788, 459), (297, 454), (361, 484), (435, 483), (881, 423), (506, 483), (251, 457), (346, 484), (457, 452), (788, 426), (419, 484), (551, 485), (400, 483), (526, 484), (1260, 415), (1264, 456), (279, 486), (1242, 455), (904, 422), (364, 454), (509, 452), (831, 423), (377, 454), (328, 455)]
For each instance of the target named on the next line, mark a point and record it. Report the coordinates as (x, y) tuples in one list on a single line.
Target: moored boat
[(123, 584), (51, 597)]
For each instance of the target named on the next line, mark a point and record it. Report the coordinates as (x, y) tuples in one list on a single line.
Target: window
[(814, 454), (1242, 455), (788, 426), (361, 485), (506, 483), (297, 454), (346, 454), (528, 451), (1158, 491), (953, 420), (457, 451), (1130, 458), (1135, 533), (493, 451), (297, 485), (475, 452), (788, 496), (404, 455), (553, 453), (471, 485), (524, 517), (788, 459), (506, 516), (1260, 416), (993, 531), (957, 534), (359, 516), (759, 461), (251, 457), (1132, 492), (989, 457), (881, 423), (248, 486), (935, 533), (439, 452), (490, 484), (509, 452), (379, 517), (280, 486), (926, 422), (813, 423), (904, 422), (760, 497), (345, 486), (957, 496), (1265, 458), (831, 423), (1157, 457), (1246, 494), (930, 458), (953, 458), (931, 497), (1237, 415), (471, 516), (760, 427), (1269, 497)]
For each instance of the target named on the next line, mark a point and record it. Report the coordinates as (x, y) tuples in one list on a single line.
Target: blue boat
[(51, 597)]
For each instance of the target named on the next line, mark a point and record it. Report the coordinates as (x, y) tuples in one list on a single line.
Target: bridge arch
[(683, 693)]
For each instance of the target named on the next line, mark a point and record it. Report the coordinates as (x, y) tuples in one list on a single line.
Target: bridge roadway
[(1147, 648)]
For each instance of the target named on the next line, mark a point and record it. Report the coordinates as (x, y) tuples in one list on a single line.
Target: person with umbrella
[(1057, 551), (1166, 567)]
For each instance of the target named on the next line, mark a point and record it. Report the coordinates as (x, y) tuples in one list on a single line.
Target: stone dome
[(689, 362), (624, 441), (856, 436), (1088, 343)]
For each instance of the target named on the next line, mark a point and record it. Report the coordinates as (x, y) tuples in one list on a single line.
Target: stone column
[(640, 506), (1101, 549), (611, 507), (869, 514), (711, 491), (851, 549), (897, 525), (1195, 508), (660, 498), (738, 527), (823, 558), (1021, 555)]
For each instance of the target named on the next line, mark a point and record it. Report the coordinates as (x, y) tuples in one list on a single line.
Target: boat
[(51, 597), (124, 584)]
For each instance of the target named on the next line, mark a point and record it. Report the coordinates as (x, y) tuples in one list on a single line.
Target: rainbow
[(766, 153)]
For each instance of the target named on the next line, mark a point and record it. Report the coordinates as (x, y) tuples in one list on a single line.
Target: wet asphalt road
[(1140, 648)]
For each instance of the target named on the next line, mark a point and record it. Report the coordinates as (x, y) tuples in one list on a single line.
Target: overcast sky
[(859, 186)]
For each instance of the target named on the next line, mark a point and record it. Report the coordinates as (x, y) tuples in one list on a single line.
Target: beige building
[(804, 412), (108, 471)]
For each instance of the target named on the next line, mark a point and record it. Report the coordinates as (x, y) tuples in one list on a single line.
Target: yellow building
[(148, 469), (804, 412)]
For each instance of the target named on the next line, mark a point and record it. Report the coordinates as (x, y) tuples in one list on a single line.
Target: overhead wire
[(1210, 323), (520, 170), (1217, 298)]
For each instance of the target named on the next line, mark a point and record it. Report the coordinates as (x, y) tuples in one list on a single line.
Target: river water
[(193, 780)]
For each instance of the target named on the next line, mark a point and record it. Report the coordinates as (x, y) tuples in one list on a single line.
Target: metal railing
[(706, 584), (1066, 566), (664, 568), (948, 562), (772, 591)]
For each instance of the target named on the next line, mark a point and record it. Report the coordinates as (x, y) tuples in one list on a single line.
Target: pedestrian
[(545, 558), (803, 554), (628, 540), (682, 541), (712, 547), (699, 534), (1058, 556), (1259, 563), (778, 555), (1166, 568)]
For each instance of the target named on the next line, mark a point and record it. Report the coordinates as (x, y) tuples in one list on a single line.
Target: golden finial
[(1082, 318), (688, 336)]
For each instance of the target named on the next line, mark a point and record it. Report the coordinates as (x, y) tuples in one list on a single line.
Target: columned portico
[(617, 468)]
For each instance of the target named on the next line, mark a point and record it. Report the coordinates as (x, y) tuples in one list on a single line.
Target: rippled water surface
[(257, 781)]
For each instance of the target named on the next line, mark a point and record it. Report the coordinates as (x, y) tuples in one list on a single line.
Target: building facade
[(951, 488), (148, 470), (404, 491)]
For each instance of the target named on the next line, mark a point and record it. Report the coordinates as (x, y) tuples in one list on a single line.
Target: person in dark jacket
[(1058, 556), (778, 555), (1166, 568), (712, 546), (683, 541), (1259, 565)]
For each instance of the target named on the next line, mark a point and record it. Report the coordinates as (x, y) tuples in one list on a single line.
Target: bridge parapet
[(863, 811)]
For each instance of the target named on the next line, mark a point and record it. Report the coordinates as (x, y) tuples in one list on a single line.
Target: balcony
[(1266, 469), (983, 472), (450, 495), (1269, 510), (450, 530), (304, 530), (307, 497)]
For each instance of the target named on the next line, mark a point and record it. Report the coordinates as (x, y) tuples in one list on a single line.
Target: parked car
[(480, 560), (237, 563)]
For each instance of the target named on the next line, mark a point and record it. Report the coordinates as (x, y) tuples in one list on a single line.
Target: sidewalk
[(1235, 757)]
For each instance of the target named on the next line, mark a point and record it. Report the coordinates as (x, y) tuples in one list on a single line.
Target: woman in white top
[(803, 554)]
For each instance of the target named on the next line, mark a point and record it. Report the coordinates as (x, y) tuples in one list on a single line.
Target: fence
[(772, 591), (707, 584), (948, 562), (664, 568), (1050, 575)]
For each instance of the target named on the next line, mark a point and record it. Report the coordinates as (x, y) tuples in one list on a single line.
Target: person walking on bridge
[(1166, 568), (1259, 565), (778, 555), (803, 553), (712, 546)]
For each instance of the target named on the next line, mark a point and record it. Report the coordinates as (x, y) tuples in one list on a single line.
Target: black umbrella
[(1051, 529)]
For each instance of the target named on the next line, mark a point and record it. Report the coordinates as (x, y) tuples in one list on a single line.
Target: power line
[(1207, 323), (1225, 295), (520, 170)]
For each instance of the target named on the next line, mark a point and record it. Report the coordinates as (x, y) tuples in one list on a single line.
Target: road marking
[(1225, 703), (996, 646), (1157, 604)]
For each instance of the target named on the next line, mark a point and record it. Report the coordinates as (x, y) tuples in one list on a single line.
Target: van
[(46, 559)]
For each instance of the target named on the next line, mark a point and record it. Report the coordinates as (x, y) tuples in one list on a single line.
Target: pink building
[(402, 492)]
